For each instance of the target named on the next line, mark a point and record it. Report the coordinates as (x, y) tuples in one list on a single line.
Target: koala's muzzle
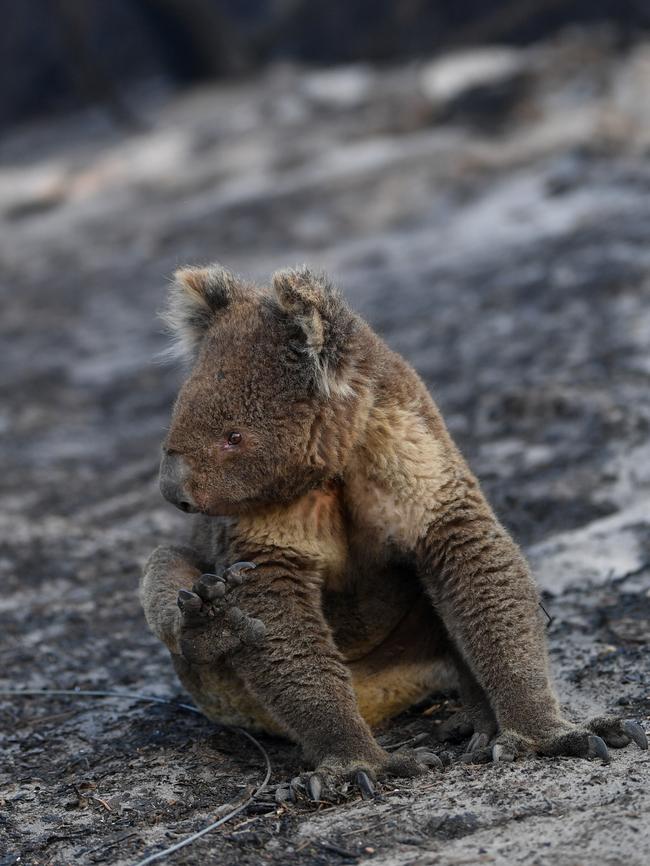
[(174, 474)]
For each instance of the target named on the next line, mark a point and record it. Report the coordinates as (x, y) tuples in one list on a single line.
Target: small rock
[(565, 174), (471, 80), (631, 629), (344, 88)]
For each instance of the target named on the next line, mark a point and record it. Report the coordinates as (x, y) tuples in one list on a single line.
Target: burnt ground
[(496, 235)]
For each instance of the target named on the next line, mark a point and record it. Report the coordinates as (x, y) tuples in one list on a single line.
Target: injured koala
[(343, 562)]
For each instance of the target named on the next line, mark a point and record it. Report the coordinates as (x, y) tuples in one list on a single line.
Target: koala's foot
[(571, 740), (456, 728), (211, 626), (333, 783), (461, 725)]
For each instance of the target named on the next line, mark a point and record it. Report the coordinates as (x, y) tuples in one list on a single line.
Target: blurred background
[(59, 54), (475, 177)]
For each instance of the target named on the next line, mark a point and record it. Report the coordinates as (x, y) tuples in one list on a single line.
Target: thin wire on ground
[(137, 696)]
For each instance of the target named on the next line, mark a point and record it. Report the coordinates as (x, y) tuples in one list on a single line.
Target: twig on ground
[(336, 849), (105, 846), (136, 696), (412, 741), (106, 805), (41, 720)]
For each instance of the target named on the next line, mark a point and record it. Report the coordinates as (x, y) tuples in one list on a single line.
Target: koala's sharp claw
[(636, 733), (502, 753), (477, 741), (428, 758), (478, 756), (211, 586), (598, 748), (235, 573), (188, 602), (314, 787), (365, 785)]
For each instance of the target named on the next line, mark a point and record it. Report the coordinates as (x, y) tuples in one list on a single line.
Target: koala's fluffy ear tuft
[(302, 296), (320, 321), (196, 296)]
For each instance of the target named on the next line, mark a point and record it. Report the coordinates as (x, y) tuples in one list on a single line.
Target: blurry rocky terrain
[(489, 213), (60, 54)]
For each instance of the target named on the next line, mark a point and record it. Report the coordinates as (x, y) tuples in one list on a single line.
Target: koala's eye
[(234, 438)]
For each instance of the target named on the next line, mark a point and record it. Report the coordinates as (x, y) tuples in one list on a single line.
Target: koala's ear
[(321, 324), (197, 295)]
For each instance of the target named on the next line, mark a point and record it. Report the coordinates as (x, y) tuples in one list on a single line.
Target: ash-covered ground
[(490, 217)]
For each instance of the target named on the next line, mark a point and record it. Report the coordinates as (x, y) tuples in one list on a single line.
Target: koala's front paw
[(328, 785), (571, 740), (211, 627), (332, 782)]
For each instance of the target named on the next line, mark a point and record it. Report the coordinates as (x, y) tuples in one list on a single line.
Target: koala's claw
[(619, 733), (589, 742), (479, 756), (189, 603), (636, 733), (480, 750), (236, 572), (502, 753), (427, 758), (598, 748), (365, 785), (478, 741), (332, 784), (211, 587), (314, 787), (325, 786)]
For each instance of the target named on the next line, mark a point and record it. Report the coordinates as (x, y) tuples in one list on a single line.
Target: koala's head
[(262, 415)]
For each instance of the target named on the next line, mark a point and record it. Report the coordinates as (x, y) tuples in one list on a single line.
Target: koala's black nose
[(174, 474)]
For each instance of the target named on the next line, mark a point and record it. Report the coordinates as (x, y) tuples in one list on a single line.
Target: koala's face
[(245, 425)]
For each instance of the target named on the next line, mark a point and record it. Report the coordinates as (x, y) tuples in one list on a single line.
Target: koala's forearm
[(167, 570), (298, 673), (482, 586)]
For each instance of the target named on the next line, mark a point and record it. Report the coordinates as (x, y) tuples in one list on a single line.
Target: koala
[(343, 562)]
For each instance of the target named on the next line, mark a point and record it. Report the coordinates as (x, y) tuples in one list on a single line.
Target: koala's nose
[(174, 473)]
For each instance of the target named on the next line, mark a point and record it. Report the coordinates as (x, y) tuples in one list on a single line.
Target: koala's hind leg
[(476, 719)]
